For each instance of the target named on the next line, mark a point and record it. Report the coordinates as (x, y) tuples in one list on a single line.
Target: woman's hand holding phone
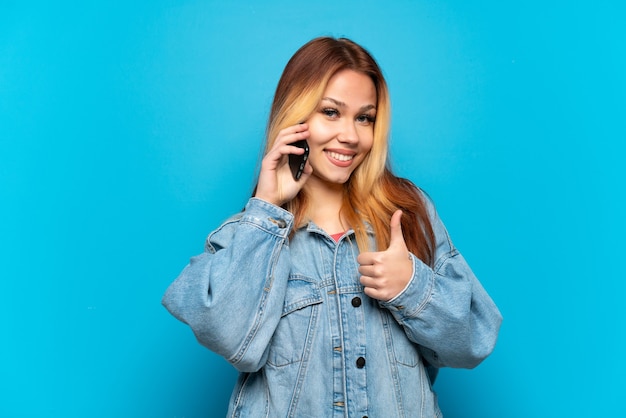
[(280, 181), (297, 162)]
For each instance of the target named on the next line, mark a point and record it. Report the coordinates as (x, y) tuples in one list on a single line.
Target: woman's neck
[(325, 202)]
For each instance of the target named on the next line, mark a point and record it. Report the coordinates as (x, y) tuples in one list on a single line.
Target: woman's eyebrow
[(336, 102), (339, 103)]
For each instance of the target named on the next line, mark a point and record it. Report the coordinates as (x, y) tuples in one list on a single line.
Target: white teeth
[(340, 157)]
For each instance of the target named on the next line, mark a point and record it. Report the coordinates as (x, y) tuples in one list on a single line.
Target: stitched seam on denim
[(391, 355), (444, 258), (340, 326), (207, 243), (423, 377), (440, 263), (313, 298), (405, 361), (238, 397), (258, 320), (263, 228), (346, 290), (305, 360), (427, 299), (301, 304), (267, 401)]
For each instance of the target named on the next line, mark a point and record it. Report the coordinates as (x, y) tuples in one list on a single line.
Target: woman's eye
[(366, 119), (330, 112)]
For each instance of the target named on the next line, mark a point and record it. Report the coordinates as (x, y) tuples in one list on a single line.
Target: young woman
[(334, 294)]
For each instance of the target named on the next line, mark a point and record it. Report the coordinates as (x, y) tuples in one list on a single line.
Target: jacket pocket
[(294, 333), (404, 351)]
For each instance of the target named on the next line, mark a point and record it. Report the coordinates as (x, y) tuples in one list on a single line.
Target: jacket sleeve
[(445, 309), (232, 295)]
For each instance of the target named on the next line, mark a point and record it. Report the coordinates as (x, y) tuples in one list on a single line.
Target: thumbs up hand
[(386, 273)]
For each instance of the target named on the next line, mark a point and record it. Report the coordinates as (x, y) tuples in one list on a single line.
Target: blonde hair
[(373, 193)]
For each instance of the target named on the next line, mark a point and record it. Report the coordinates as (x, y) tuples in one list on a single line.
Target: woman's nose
[(348, 134)]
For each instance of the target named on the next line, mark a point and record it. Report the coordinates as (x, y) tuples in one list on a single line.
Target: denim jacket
[(292, 317)]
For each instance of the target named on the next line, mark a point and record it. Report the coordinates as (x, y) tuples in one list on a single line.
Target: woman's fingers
[(276, 184), (292, 134)]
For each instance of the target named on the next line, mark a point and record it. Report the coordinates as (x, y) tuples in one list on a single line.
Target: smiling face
[(342, 128)]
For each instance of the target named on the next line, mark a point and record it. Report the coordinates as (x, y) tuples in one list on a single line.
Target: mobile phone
[(297, 162)]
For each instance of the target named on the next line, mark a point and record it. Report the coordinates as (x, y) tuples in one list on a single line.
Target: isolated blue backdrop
[(129, 130)]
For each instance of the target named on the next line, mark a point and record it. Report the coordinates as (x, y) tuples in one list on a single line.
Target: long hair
[(372, 193)]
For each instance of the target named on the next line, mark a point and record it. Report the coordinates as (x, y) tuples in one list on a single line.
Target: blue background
[(129, 130)]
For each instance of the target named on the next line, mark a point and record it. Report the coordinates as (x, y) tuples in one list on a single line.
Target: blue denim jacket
[(291, 316)]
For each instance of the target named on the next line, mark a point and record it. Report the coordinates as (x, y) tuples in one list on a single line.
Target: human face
[(342, 128)]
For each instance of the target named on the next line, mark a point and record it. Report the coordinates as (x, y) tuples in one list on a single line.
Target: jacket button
[(360, 362), (281, 223), (356, 302)]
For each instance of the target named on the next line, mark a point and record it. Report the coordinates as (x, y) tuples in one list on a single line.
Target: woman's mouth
[(339, 159)]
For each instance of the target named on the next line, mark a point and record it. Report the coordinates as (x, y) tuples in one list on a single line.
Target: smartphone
[(297, 162)]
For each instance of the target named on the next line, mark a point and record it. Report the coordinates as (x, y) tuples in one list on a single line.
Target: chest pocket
[(294, 335), (405, 352)]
